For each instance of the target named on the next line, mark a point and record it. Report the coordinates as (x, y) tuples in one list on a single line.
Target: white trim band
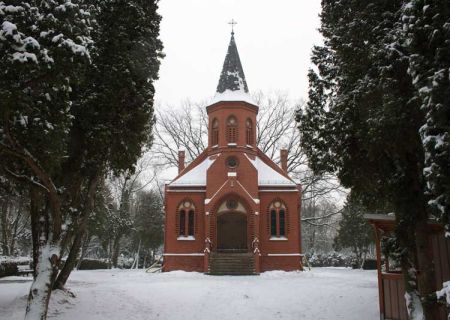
[(285, 254), (294, 190), (184, 254), (187, 191), (186, 238), (278, 239)]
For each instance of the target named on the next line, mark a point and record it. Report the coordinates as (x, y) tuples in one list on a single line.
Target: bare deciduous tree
[(124, 187), (180, 128), (14, 219)]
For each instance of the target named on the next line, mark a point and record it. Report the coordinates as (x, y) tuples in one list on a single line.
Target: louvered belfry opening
[(232, 129), (215, 132), (249, 131)]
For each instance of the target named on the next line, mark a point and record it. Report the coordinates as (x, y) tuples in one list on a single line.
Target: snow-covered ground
[(323, 293)]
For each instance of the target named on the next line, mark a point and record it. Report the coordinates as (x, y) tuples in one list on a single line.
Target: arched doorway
[(232, 226)]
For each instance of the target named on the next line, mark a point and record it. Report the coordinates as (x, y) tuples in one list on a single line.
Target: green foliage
[(377, 115), (427, 25), (354, 232), (360, 121), (116, 98), (8, 268), (43, 50), (149, 220), (93, 264)]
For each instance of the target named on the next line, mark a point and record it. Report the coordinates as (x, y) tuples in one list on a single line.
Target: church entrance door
[(232, 231)]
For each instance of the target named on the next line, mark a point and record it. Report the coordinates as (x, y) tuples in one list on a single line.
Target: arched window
[(249, 130), (277, 219), (232, 129), (186, 219), (215, 132)]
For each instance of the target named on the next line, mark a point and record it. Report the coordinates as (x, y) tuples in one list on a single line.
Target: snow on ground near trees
[(323, 293)]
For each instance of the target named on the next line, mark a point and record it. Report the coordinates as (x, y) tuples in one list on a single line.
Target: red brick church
[(232, 210)]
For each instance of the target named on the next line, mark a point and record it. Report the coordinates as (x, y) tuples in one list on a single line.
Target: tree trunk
[(46, 251), (15, 227), (425, 261), (136, 258), (49, 226), (80, 231), (40, 291), (35, 226), (86, 242), (70, 262), (4, 228), (408, 262), (364, 259), (116, 250), (416, 262)]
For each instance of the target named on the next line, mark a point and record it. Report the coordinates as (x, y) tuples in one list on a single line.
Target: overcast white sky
[(274, 39)]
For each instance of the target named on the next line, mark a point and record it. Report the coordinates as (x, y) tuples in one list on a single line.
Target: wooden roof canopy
[(386, 222)]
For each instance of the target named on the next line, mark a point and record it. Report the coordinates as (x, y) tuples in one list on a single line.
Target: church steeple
[(232, 77)]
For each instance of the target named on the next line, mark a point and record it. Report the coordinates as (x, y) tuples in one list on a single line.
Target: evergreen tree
[(44, 46), (113, 105), (354, 232), (148, 222), (427, 28), (73, 106), (362, 122)]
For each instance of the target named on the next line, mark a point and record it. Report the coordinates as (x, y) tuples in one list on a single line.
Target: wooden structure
[(390, 279)]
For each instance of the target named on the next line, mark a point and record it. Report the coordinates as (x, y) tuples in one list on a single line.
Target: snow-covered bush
[(331, 259), (124, 262), (443, 295), (93, 264), (336, 259), (8, 268)]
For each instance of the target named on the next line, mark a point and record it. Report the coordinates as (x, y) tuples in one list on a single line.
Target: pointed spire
[(232, 77)]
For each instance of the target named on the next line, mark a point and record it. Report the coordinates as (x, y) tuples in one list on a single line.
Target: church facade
[(233, 200)]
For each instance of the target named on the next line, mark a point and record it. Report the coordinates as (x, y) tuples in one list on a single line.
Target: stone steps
[(231, 264)]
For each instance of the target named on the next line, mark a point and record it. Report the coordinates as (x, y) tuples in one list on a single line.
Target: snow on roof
[(229, 95), (268, 176), (196, 176)]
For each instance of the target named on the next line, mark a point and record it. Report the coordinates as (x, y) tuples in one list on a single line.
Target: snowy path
[(324, 293)]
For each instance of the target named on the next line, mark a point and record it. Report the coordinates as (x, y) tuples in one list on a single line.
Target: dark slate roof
[(232, 77)]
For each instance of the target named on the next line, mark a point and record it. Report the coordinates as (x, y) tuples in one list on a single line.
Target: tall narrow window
[(232, 131), (182, 223), (249, 130), (186, 221), (191, 223), (278, 220), (273, 223), (282, 223), (215, 132)]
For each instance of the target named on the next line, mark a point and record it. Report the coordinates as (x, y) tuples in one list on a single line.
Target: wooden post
[(380, 279)]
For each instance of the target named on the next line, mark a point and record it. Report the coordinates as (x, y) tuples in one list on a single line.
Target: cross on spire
[(232, 77), (232, 23)]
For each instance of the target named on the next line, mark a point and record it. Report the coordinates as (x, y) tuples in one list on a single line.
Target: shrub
[(370, 264), (8, 268), (93, 264), (332, 259)]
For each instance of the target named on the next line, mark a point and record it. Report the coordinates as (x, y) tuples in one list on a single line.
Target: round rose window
[(232, 162)]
